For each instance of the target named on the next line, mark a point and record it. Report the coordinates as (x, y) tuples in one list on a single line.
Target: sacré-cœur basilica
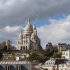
[(29, 40)]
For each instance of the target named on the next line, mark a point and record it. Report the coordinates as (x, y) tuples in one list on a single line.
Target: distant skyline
[(52, 18)]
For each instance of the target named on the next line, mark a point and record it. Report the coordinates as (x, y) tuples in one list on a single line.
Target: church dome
[(29, 28), (33, 36), (34, 27), (21, 35)]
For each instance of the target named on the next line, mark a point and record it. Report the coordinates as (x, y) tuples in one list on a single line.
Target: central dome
[(28, 28)]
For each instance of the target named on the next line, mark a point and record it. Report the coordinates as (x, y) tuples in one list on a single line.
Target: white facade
[(29, 40), (62, 67), (49, 64), (66, 54)]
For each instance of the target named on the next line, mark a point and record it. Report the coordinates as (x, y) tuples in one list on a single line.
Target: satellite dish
[(17, 58)]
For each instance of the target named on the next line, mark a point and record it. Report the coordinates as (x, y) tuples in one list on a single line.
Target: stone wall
[(15, 65)]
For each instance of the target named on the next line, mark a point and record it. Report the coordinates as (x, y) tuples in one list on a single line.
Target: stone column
[(8, 67), (5, 67), (20, 67)]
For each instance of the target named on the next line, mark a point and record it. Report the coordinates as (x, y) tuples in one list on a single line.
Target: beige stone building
[(49, 46), (29, 40), (62, 47)]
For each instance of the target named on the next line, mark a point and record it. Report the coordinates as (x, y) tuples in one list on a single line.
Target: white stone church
[(29, 40)]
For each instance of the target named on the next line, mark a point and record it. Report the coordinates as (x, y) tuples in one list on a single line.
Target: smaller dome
[(33, 36), (21, 35), (34, 27), (24, 36)]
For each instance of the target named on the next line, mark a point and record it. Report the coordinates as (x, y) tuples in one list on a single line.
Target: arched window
[(21, 48), (5, 48), (24, 42), (21, 41), (26, 47)]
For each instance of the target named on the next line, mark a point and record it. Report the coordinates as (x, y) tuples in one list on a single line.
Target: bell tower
[(34, 29)]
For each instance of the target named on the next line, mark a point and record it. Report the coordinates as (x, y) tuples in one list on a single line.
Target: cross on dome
[(34, 27), (29, 20)]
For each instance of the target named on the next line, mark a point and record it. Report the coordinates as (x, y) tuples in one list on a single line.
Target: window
[(46, 63), (49, 63), (66, 54), (62, 65), (53, 62), (63, 53), (24, 48), (26, 41), (21, 47), (21, 42)]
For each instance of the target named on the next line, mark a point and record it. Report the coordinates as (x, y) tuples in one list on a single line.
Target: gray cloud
[(55, 33), (16, 12), (10, 33)]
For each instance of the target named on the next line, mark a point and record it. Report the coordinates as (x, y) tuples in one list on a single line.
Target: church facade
[(28, 40)]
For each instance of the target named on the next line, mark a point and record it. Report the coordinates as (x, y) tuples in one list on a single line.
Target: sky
[(52, 18)]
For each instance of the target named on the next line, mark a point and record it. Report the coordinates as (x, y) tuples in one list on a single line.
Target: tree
[(33, 56), (9, 45), (2, 45), (57, 55), (48, 53)]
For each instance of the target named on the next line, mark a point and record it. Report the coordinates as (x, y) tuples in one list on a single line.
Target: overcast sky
[(52, 18)]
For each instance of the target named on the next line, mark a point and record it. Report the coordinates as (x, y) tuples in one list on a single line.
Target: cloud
[(13, 13), (16, 12), (58, 31), (10, 33)]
